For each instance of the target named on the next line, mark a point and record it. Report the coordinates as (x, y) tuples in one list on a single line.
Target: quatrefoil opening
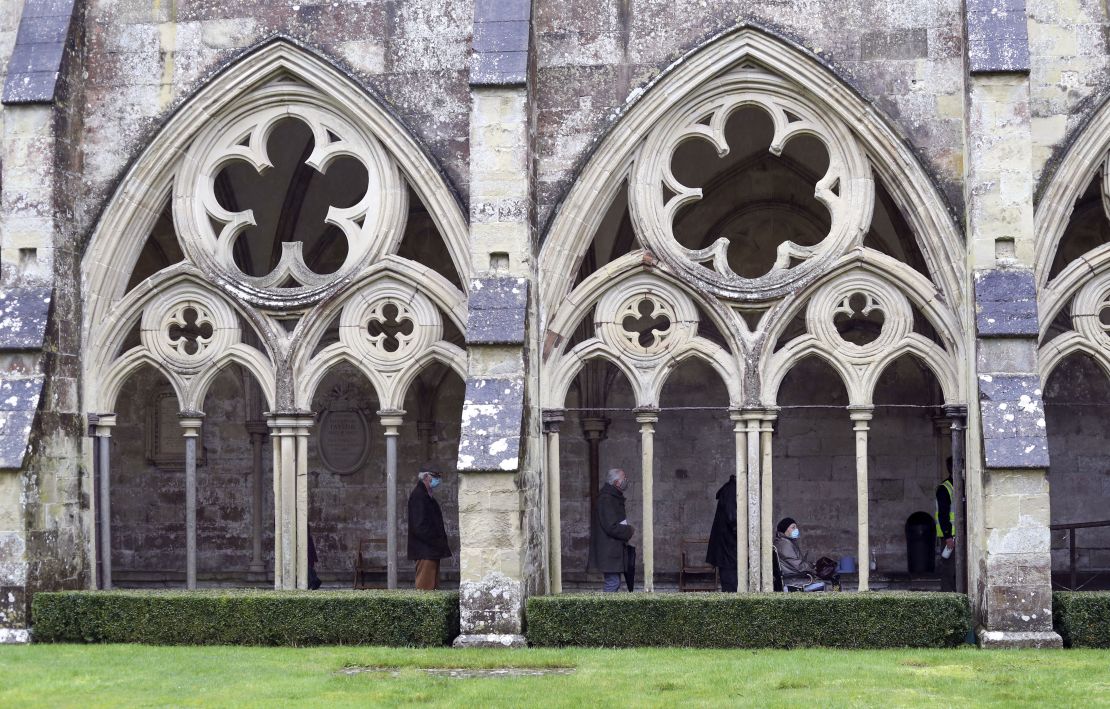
[(390, 329), (291, 233), (190, 331), (859, 319), (649, 327)]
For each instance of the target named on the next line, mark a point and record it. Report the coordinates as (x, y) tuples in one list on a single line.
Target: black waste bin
[(921, 535)]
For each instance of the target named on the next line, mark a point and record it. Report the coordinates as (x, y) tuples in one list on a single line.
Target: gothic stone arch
[(206, 313), (661, 287)]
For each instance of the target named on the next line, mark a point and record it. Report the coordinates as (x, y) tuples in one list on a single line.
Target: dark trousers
[(728, 578), (946, 569)]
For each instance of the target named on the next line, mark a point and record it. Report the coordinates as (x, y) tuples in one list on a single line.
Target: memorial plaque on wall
[(343, 439), (165, 439)]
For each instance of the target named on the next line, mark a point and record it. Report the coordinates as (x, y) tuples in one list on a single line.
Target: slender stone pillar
[(391, 421), (552, 420), (739, 431), (289, 432), (647, 419), (958, 417), (257, 431), (752, 418), (191, 423), (767, 523), (426, 431), (594, 429), (104, 424), (861, 420)]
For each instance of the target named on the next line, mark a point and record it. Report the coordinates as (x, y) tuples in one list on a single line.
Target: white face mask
[(794, 533)]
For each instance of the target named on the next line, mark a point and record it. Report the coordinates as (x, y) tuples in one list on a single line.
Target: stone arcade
[(260, 260)]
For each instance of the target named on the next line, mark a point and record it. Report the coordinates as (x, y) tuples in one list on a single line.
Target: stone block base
[(14, 636), (493, 606), (1015, 639), (490, 640)]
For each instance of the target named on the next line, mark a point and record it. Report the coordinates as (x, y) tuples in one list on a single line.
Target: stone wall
[(1077, 412), (1068, 76)]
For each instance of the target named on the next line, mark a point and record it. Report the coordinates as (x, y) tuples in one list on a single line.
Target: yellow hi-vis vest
[(947, 484)]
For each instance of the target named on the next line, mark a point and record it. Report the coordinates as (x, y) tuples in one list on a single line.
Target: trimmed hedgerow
[(243, 617), (1082, 618), (846, 620)]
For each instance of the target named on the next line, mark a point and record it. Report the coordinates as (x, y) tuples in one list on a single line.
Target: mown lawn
[(133, 675)]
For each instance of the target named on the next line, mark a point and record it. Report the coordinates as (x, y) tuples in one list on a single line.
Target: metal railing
[(1072, 551)]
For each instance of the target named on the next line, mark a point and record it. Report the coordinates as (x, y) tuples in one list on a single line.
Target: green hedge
[(848, 620), (242, 617), (1082, 618)]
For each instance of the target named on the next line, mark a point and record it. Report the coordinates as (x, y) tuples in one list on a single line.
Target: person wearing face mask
[(796, 568), (427, 535), (611, 530)]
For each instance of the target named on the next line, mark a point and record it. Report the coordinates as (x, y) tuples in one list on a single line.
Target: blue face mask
[(434, 482), (794, 534)]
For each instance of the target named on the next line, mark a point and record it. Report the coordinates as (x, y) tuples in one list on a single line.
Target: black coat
[(721, 551), (609, 537), (427, 535)]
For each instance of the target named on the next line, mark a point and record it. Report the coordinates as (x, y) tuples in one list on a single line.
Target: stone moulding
[(579, 214)]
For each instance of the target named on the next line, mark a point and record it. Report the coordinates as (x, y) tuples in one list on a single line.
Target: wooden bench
[(695, 574), (364, 563)]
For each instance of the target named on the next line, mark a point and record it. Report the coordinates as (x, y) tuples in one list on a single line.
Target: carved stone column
[(753, 422), (647, 418), (861, 424), (190, 423), (767, 522), (957, 416), (552, 420), (740, 435), (289, 432), (391, 421), (103, 429), (257, 431), (594, 430)]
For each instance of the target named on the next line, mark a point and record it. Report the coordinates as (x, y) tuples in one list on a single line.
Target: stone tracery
[(198, 317), (858, 304)]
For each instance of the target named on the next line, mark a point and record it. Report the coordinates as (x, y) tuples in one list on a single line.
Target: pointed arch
[(137, 201), (1085, 157), (578, 215)]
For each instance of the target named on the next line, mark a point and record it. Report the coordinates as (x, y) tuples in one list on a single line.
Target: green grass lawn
[(134, 675)]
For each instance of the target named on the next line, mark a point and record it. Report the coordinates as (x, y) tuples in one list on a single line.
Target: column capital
[(279, 421), (594, 428), (256, 427), (957, 413), (101, 424), (392, 420), (191, 421), (861, 414), (646, 414), (552, 419)]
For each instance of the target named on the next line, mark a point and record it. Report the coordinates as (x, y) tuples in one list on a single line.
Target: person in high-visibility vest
[(945, 518)]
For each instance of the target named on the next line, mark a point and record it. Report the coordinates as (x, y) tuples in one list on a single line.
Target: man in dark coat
[(427, 535), (722, 538), (611, 530)]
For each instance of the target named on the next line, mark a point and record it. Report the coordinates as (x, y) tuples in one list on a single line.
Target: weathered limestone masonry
[(1009, 497), (499, 529), (42, 536)]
